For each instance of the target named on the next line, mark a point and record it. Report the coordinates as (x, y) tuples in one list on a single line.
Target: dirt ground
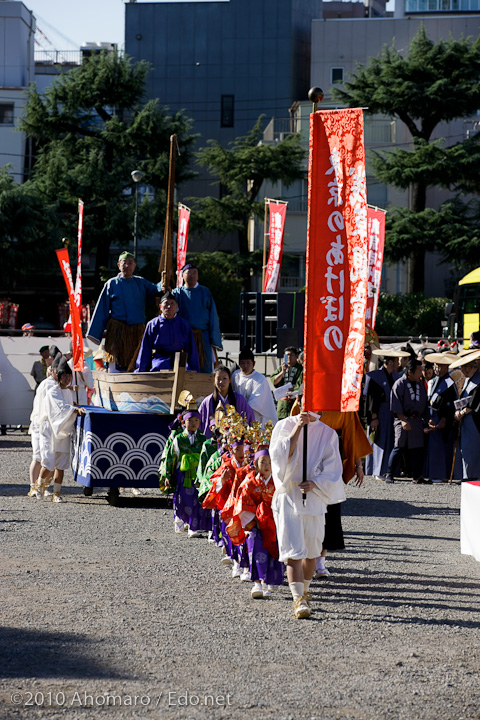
[(106, 613)]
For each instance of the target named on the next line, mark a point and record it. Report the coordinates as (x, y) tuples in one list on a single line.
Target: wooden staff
[(166, 258), (304, 471), (264, 243)]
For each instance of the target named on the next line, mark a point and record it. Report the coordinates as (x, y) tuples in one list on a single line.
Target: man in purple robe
[(164, 336)]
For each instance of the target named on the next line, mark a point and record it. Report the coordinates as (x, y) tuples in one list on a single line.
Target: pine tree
[(434, 83), (91, 129)]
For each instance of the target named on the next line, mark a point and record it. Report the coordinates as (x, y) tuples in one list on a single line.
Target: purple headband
[(260, 453), (237, 443), (191, 413)]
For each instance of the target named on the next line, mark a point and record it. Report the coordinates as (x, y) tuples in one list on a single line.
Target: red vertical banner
[(376, 244), (182, 239), (336, 262), (277, 213), (77, 340)]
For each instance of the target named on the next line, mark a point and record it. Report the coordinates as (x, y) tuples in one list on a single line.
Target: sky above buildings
[(66, 24), (69, 24)]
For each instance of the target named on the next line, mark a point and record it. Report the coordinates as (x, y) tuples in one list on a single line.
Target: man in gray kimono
[(408, 403)]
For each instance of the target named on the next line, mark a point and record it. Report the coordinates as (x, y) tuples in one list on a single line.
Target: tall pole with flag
[(166, 259), (336, 260)]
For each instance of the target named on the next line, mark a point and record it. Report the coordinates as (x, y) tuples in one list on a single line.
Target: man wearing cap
[(164, 336), (39, 367), (197, 306), (441, 397), (469, 416), (254, 387), (121, 311), (378, 386)]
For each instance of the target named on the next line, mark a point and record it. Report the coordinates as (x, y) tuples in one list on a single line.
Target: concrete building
[(225, 62), (17, 29)]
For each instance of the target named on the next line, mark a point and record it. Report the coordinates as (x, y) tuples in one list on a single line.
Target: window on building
[(227, 111), (6, 113), (336, 76)]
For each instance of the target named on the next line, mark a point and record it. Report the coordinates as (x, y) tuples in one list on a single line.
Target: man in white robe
[(299, 505), (255, 388)]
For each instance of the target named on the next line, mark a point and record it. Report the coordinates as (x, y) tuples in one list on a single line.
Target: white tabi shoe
[(179, 526), (211, 539), (57, 498), (266, 589), (246, 576), (236, 570), (256, 591), (194, 533)]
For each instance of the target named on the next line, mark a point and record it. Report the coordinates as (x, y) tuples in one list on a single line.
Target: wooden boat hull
[(150, 392)]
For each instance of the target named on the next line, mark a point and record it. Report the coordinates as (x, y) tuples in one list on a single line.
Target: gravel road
[(107, 614)]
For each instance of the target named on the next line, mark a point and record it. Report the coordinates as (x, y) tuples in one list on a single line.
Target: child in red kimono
[(218, 494), (241, 565), (253, 520)]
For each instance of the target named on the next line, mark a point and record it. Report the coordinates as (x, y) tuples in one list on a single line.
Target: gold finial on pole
[(316, 95)]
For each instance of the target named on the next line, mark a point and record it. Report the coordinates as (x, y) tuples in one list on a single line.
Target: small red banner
[(336, 262), (376, 243), (276, 230), (182, 240), (77, 340)]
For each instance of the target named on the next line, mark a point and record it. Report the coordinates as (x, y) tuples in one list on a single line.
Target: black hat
[(63, 367), (168, 296), (55, 363), (189, 266), (43, 348)]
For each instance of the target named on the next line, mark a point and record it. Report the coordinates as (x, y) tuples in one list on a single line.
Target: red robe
[(240, 475), (254, 496), (218, 494)]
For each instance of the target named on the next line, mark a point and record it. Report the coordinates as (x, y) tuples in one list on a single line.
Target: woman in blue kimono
[(378, 386)]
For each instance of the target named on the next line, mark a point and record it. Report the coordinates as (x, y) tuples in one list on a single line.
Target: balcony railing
[(439, 6), (58, 57)]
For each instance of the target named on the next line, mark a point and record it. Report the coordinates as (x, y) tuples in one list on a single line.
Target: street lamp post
[(136, 177)]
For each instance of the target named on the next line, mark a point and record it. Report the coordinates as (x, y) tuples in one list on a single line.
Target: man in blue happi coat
[(197, 306), (121, 311)]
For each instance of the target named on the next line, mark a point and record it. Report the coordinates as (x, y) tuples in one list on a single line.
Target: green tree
[(23, 218), (410, 314), (91, 128), (240, 170), (433, 83)]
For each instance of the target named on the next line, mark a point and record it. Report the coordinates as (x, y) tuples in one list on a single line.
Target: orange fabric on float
[(355, 442)]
